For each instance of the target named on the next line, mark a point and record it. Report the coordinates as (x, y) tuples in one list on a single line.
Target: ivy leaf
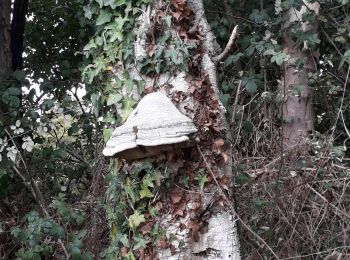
[(114, 3), (87, 12), (124, 240), (145, 192), (148, 181), (113, 99), (100, 2), (340, 39), (128, 104), (107, 132), (139, 243), (104, 17), (202, 179), (129, 256), (130, 191), (129, 85), (91, 44), (172, 54), (136, 219), (269, 52)]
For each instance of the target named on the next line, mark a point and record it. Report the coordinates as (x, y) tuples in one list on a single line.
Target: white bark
[(221, 239)]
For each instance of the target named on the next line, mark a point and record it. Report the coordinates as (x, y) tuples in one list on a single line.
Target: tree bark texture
[(298, 107), (20, 9), (5, 38)]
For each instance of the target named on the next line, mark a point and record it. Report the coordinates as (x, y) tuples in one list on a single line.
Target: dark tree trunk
[(17, 31), (5, 41), (5, 38)]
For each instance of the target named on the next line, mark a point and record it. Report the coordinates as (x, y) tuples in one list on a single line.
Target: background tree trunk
[(20, 8), (5, 39), (298, 107)]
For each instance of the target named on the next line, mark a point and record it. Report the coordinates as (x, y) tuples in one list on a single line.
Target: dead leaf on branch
[(180, 210), (219, 148), (193, 226), (176, 15), (176, 196), (146, 228), (162, 243), (225, 182), (150, 49), (124, 251), (179, 4), (218, 143)]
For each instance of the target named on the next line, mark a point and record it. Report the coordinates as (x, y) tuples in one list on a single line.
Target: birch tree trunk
[(298, 110), (203, 222)]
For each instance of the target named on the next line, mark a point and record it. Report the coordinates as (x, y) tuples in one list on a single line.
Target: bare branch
[(222, 56)]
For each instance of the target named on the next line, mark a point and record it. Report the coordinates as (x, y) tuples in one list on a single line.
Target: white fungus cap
[(154, 122)]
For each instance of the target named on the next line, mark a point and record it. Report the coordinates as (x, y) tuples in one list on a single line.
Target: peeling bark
[(298, 110)]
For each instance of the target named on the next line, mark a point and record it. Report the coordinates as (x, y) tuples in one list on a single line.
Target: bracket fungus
[(153, 127)]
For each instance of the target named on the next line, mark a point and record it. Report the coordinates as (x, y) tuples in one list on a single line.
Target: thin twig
[(324, 199), (317, 253), (78, 100), (342, 101), (236, 101), (25, 181), (229, 46)]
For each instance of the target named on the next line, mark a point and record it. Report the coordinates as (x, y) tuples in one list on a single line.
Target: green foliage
[(34, 236), (75, 45), (40, 234), (131, 207), (67, 214), (170, 55), (201, 178)]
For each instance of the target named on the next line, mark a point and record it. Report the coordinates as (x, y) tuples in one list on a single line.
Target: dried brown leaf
[(176, 196)]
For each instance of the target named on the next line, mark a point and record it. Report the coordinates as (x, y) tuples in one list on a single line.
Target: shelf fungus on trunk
[(154, 127)]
